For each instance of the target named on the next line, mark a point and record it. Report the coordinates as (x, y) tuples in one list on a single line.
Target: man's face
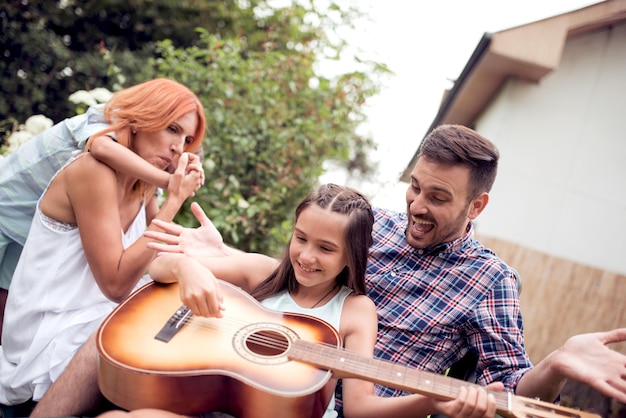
[(437, 203)]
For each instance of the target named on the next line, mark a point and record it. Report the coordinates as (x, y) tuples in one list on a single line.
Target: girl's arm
[(358, 328), (198, 288), (105, 149)]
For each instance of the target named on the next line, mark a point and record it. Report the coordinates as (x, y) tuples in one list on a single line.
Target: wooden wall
[(561, 298)]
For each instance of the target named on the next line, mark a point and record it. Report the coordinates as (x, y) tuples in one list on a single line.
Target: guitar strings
[(424, 382), (362, 365)]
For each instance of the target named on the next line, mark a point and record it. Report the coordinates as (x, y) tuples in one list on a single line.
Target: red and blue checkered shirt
[(436, 304)]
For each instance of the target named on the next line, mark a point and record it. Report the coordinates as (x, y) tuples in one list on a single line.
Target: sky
[(426, 45)]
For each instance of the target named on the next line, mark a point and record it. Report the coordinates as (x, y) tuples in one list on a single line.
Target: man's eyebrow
[(435, 188)]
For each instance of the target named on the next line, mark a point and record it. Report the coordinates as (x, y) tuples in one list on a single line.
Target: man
[(440, 293)]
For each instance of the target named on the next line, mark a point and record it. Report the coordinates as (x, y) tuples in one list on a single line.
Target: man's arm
[(585, 358)]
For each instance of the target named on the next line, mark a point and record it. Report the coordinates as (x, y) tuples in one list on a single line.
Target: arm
[(152, 207), (358, 328), (584, 358), (205, 241), (120, 158), (93, 192), (198, 288)]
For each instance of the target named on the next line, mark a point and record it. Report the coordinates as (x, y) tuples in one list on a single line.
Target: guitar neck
[(344, 364)]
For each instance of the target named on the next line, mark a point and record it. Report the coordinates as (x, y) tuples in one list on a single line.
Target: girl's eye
[(188, 140), (326, 249), (172, 128), (301, 239)]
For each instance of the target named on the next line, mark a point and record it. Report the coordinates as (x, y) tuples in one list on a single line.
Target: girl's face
[(164, 147), (317, 250)]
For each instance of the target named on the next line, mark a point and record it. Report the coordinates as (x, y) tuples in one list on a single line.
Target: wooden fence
[(561, 298)]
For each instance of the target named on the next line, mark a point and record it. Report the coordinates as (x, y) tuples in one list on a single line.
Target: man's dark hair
[(457, 144)]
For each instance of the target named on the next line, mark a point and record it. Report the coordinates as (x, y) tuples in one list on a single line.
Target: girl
[(321, 274)]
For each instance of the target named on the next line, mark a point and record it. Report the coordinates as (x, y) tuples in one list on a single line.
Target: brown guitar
[(252, 363)]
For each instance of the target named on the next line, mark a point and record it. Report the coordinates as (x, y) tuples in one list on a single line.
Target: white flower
[(82, 96), (243, 204), (17, 138), (100, 94), (37, 123)]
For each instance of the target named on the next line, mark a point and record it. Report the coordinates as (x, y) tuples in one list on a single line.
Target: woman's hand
[(185, 180), (199, 289)]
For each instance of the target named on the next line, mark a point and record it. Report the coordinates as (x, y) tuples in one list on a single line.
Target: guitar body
[(211, 364)]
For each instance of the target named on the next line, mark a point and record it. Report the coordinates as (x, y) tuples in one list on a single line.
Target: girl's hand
[(204, 241), (472, 402)]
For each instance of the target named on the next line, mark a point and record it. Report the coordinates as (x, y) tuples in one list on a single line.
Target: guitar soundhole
[(267, 343), (264, 342)]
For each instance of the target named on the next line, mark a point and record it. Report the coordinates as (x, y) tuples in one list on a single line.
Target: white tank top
[(329, 312)]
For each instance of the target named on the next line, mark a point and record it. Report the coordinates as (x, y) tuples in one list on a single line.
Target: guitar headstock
[(530, 408)]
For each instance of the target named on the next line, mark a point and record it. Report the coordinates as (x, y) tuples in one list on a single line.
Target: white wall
[(561, 186)]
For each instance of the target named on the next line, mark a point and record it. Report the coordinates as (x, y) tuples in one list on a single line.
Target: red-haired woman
[(85, 251)]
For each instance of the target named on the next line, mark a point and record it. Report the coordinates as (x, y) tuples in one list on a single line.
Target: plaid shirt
[(436, 304)]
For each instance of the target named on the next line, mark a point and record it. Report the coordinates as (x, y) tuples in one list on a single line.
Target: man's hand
[(204, 241), (587, 359)]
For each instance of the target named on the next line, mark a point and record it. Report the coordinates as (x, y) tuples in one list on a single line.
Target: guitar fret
[(385, 373)]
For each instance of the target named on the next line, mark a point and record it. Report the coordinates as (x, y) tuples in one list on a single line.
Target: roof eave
[(528, 52)]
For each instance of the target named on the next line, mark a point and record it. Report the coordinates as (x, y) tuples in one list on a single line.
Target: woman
[(85, 251)]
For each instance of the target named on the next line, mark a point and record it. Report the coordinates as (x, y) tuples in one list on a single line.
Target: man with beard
[(441, 294)]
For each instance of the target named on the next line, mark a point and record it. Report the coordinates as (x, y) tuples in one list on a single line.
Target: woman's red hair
[(150, 107)]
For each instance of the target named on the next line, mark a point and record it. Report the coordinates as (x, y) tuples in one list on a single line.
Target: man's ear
[(478, 205)]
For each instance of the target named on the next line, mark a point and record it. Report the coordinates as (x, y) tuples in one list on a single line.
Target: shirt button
[(420, 251)]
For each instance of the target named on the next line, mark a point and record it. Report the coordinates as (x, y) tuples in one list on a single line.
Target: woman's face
[(162, 148)]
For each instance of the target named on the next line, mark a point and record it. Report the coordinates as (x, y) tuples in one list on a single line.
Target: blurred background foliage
[(273, 119)]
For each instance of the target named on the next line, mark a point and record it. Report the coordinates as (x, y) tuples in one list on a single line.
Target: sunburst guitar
[(252, 363)]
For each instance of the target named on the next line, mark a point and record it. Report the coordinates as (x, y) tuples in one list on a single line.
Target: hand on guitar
[(587, 359), (198, 287), (205, 240), (471, 402)]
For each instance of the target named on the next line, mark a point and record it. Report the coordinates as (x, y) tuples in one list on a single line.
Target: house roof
[(529, 52)]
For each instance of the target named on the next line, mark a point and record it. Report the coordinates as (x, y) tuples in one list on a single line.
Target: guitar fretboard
[(346, 365)]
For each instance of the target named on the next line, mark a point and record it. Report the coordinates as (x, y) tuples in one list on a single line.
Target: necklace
[(324, 297)]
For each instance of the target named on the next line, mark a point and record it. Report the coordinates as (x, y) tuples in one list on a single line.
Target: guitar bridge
[(174, 324)]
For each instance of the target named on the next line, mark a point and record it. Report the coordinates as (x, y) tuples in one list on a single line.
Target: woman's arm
[(94, 196), (198, 288)]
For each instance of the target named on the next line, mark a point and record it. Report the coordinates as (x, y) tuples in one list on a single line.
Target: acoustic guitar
[(252, 363)]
